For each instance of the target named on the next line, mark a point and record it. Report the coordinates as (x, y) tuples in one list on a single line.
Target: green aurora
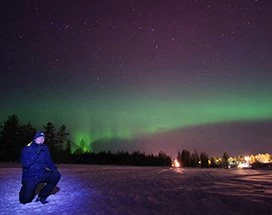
[(108, 117)]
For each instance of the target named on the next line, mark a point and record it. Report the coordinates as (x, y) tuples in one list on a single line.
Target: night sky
[(142, 75)]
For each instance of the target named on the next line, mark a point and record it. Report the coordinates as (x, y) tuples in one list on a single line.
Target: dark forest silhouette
[(14, 136)]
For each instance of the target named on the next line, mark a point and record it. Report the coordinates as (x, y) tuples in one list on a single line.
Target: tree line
[(14, 136), (195, 159), (123, 158)]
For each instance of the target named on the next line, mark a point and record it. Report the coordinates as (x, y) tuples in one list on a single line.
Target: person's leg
[(26, 194), (51, 179)]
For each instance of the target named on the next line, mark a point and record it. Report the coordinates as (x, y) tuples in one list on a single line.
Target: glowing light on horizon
[(176, 163), (243, 165)]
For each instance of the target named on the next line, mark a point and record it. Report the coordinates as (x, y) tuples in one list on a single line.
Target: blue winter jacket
[(36, 160)]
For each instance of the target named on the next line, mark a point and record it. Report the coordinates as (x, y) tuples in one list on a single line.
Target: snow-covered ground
[(88, 189)]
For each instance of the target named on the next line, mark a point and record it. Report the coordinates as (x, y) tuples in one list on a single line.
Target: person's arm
[(29, 156), (49, 163)]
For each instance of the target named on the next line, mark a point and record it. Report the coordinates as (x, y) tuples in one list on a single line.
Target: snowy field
[(87, 189)]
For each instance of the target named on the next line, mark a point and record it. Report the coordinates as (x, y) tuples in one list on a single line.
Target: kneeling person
[(38, 167)]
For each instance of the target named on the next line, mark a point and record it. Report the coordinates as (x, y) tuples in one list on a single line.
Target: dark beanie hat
[(39, 134)]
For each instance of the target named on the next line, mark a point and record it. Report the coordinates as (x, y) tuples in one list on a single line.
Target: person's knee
[(25, 199), (56, 175)]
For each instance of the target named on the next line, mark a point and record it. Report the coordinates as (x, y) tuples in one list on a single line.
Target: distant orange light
[(176, 163), (247, 158)]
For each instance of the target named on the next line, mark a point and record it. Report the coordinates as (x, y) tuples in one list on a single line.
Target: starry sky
[(142, 75)]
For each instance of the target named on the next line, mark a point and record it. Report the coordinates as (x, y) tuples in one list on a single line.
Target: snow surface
[(89, 189)]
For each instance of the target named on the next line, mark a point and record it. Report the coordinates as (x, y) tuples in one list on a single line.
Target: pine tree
[(9, 139), (69, 147), (195, 159), (80, 148), (225, 160), (27, 133), (50, 138), (204, 159), (185, 158), (62, 139)]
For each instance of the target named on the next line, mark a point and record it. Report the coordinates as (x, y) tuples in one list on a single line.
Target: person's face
[(39, 140)]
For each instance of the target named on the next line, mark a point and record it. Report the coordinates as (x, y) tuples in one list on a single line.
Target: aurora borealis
[(137, 75)]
